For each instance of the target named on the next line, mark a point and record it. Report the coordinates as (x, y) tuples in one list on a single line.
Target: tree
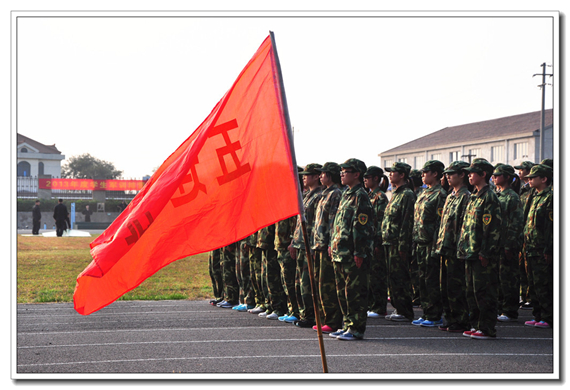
[(86, 166)]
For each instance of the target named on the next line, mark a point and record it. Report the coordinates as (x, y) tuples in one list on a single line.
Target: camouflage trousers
[(246, 294), (399, 282), (378, 283), (288, 269), (275, 299), (215, 271), (482, 294), (429, 284), (523, 275), (255, 275), (329, 307), (352, 292), (415, 277), (303, 287), (231, 286), (509, 285), (541, 280), (453, 291)]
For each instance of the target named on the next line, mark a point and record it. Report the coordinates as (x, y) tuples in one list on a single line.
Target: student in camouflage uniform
[(511, 242), (231, 286), (427, 217), (255, 274), (297, 248), (376, 183), (283, 235), (215, 271), (453, 287), (478, 246), (246, 296), (351, 251), (416, 180), (538, 240), (525, 193), (275, 300), (327, 207), (397, 227)]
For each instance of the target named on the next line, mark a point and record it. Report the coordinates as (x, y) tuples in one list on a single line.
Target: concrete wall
[(25, 218)]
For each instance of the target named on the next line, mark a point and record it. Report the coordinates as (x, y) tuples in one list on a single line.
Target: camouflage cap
[(311, 169), (415, 173), (355, 164), (525, 165), (330, 167), (503, 169), (374, 171), (540, 170), (456, 167), (433, 166), (549, 162), (480, 165), (401, 167), (299, 169)]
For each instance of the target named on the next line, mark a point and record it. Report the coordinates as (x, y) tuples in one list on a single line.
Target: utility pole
[(543, 87), (469, 156)]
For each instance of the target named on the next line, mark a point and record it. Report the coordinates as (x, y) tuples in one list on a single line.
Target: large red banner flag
[(233, 176)]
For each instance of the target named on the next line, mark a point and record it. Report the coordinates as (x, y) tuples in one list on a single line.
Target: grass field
[(47, 268)]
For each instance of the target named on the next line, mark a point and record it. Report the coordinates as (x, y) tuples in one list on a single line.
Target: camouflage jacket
[(398, 221), (251, 240), (310, 202), (526, 195), (284, 232), (324, 217), (451, 221), (379, 202), (427, 214), (481, 229), (539, 226), (266, 237), (353, 228), (511, 234)]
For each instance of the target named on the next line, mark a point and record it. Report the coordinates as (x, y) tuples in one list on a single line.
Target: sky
[(130, 90)]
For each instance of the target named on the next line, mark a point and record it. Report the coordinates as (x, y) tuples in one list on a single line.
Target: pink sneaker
[(324, 329), (482, 336), (542, 324), (531, 323)]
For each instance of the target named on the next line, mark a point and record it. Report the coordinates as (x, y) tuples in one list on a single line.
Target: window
[(454, 156), (404, 160), (24, 150), (23, 168), (497, 153), (387, 163), (436, 156), (41, 168), (521, 150), (474, 153), (419, 162)]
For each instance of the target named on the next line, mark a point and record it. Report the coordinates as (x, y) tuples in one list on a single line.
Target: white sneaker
[(505, 318), (263, 314), (372, 314), (272, 316)]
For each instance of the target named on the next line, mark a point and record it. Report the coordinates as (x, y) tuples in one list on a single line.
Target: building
[(509, 140), (37, 159)]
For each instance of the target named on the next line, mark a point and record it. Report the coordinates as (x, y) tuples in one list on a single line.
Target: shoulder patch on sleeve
[(550, 215), (362, 218), (440, 211), (486, 219)]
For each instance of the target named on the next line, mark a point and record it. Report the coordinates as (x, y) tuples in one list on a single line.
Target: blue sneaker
[(242, 307), (283, 317), (349, 336), (431, 324), (337, 333), (418, 322), (291, 319)]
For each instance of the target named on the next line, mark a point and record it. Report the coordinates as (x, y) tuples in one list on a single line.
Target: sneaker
[(337, 333), (505, 318), (526, 306), (468, 333), (431, 324), (291, 319), (455, 328), (373, 314), (214, 302), (398, 318), (531, 323), (324, 329), (418, 322), (482, 336), (389, 316), (304, 324), (542, 324), (348, 336), (257, 310), (443, 328), (272, 316), (282, 318), (222, 302), (262, 314), (226, 305), (241, 307)]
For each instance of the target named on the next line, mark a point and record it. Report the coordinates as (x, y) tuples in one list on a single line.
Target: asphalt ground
[(193, 339)]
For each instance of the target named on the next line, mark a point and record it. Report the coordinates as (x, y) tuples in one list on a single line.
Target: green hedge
[(49, 204)]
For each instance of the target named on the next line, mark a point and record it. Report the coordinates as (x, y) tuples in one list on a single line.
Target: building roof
[(48, 149), (478, 131)]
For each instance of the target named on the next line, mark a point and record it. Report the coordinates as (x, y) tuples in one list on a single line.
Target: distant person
[(36, 218), (122, 206), (87, 214), (60, 215)]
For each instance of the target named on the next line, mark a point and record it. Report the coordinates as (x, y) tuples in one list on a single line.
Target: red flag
[(233, 176)]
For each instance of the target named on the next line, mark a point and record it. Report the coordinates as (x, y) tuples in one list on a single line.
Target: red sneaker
[(482, 335), (468, 333), (324, 329)]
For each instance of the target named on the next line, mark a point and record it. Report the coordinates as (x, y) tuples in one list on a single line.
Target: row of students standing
[(461, 252)]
